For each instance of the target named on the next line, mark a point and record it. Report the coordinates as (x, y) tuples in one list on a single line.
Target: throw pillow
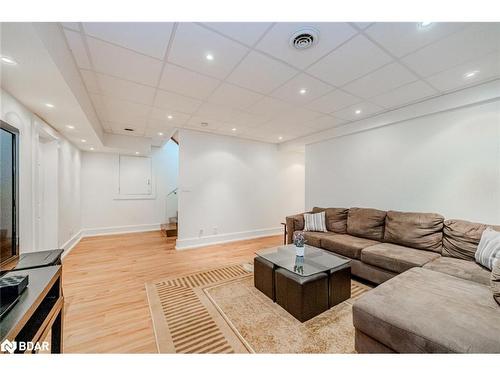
[(489, 248), (495, 280), (315, 222)]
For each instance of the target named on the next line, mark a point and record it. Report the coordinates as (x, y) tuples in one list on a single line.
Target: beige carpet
[(220, 311)]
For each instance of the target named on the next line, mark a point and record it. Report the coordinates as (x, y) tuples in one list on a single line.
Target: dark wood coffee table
[(303, 285)]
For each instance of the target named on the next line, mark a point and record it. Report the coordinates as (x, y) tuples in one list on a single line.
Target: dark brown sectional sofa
[(433, 297)]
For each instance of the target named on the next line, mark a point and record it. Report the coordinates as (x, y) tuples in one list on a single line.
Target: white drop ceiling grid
[(137, 74)]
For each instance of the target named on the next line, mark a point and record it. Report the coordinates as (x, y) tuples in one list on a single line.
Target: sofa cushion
[(427, 311), (460, 238), (464, 269), (396, 258), (336, 218), (347, 245), (419, 230), (366, 223), (314, 238)]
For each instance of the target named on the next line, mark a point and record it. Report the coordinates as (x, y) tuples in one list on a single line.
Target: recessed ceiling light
[(280, 137), (49, 105), (8, 60), (204, 124), (160, 134), (170, 117), (92, 149), (70, 127), (209, 56), (471, 74), (302, 91), (84, 140), (137, 152), (357, 111), (424, 25), (233, 129)]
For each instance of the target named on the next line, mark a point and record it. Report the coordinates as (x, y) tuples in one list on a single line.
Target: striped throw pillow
[(495, 280), (315, 222), (488, 249)]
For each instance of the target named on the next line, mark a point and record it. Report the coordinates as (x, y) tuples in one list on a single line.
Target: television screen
[(8, 192)]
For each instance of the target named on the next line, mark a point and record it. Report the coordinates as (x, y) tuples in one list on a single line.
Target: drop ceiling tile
[(124, 112), (325, 122), (126, 90), (244, 32), (195, 123), (290, 91), (175, 102), (487, 68), (192, 43), (123, 63), (149, 38), (90, 80), (405, 94), (350, 61), (333, 101), (77, 47), (153, 129), (221, 113), (401, 38), (186, 82), (162, 116), (260, 73), (471, 43), (118, 128), (270, 107), (297, 116), (331, 35), (233, 96), (382, 80), (349, 113)]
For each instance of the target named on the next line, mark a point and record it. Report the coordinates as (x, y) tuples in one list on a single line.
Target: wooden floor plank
[(106, 309)]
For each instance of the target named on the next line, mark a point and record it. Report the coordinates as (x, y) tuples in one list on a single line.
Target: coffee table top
[(314, 261)]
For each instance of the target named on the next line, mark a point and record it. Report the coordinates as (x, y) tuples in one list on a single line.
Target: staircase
[(170, 228)]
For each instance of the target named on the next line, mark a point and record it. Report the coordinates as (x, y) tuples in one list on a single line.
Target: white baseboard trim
[(88, 232), (71, 243), (192, 243)]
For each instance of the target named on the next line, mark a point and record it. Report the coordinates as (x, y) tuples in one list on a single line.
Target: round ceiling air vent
[(304, 38)]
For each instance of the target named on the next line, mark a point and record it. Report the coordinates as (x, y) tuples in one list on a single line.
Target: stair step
[(170, 229)]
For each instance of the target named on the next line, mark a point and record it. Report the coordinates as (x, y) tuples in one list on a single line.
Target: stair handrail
[(173, 192)]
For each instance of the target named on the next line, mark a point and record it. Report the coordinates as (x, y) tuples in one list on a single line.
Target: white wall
[(103, 213), (233, 188), (29, 125), (447, 163)]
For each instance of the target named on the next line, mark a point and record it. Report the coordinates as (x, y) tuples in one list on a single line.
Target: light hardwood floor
[(106, 309)]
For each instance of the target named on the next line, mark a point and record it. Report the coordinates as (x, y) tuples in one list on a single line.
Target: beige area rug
[(220, 311)]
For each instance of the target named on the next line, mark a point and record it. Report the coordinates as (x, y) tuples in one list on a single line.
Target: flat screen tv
[(9, 192)]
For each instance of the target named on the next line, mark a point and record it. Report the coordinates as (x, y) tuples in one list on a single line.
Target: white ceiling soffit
[(48, 83), (245, 80), (482, 93)]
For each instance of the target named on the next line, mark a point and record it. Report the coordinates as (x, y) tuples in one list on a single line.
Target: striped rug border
[(176, 301)]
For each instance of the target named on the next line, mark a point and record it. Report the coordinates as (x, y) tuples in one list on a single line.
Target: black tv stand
[(37, 317)]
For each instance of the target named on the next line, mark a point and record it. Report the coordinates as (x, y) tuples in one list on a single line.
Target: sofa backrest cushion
[(366, 223), (336, 218), (413, 229), (461, 237)]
